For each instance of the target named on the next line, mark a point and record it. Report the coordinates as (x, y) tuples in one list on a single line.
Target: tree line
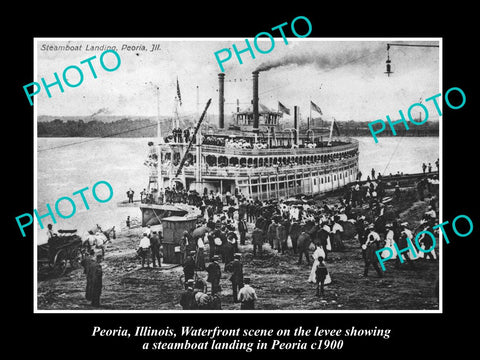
[(79, 128), (148, 128)]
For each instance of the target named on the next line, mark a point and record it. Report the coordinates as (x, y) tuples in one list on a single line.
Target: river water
[(66, 165)]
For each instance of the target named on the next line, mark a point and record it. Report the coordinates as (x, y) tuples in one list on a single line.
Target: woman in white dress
[(316, 254), (389, 243)]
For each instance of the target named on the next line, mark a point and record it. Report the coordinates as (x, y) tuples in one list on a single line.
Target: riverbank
[(280, 283)]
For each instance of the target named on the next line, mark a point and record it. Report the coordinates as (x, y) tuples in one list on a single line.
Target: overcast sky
[(345, 78)]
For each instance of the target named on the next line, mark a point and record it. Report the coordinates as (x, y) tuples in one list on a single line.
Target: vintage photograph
[(166, 181)]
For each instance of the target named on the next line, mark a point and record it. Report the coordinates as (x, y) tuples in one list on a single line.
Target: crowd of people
[(169, 195), (208, 202), (213, 140), (310, 231), (237, 144), (286, 227), (429, 166), (150, 247), (234, 143), (178, 135), (212, 163), (261, 143), (295, 228)]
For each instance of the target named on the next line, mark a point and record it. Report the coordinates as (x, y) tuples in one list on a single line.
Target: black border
[(412, 334)]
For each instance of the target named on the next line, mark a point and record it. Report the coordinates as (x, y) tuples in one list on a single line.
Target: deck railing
[(278, 151), (231, 171)]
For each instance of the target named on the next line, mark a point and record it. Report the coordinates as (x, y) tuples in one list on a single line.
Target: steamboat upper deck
[(257, 155)]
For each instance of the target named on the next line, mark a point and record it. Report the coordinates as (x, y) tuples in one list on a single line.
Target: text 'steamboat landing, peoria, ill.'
[(256, 156)]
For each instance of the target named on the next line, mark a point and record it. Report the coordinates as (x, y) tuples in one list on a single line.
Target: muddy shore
[(280, 283)]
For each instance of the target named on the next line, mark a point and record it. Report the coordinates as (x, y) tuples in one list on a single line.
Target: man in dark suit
[(242, 210), (261, 222), (322, 236), (214, 275), (189, 266), (295, 230), (87, 263), (304, 241), (257, 240), (155, 243), (187, 298), (237, 276), (242, 229), (95, 275)]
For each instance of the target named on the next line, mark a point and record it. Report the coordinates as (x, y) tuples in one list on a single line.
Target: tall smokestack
[(221, 100), (255, 100)]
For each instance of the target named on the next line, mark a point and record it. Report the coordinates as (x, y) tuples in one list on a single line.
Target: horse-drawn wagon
[(62, 248)]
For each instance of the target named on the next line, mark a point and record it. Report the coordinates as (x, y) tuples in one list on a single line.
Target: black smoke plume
[(327, 61)]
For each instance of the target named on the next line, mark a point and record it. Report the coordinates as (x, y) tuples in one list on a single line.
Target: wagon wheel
[(60, 263), (75, 258)]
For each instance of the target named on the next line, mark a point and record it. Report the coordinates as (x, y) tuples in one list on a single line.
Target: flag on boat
[(315, 107), (178, 93), (283, 108), (264, 108)]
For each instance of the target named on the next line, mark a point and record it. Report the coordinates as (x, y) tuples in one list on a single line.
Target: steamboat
[(256, 156)]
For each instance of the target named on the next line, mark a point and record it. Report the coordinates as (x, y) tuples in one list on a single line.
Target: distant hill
[(100, 117), (109, 125), (125, 126), (104, 126), (360, 128)]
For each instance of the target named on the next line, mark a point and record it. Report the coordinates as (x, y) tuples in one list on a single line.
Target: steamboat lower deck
[(258, 173)]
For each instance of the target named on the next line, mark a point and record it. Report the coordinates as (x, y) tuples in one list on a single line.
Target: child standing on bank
[(320, 274)]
